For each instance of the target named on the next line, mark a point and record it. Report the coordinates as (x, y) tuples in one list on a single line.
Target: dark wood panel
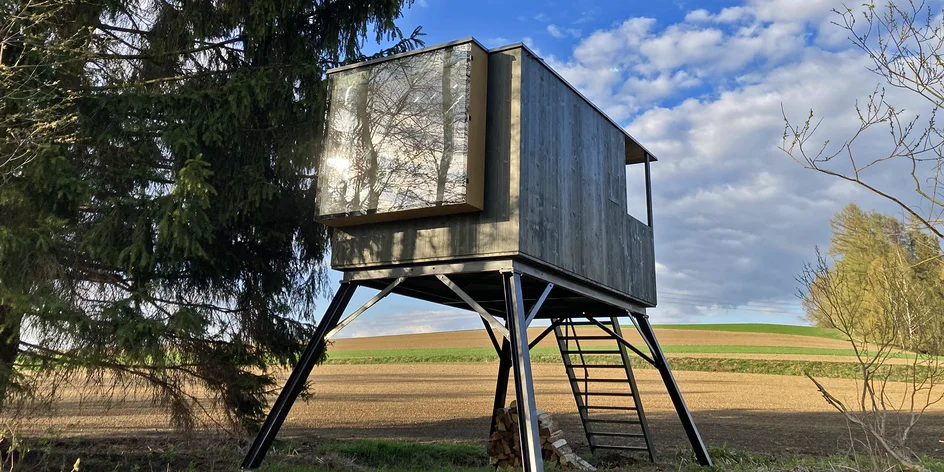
[(573, 177)]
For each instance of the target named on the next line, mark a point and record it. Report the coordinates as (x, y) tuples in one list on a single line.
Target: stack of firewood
[(504, 447)]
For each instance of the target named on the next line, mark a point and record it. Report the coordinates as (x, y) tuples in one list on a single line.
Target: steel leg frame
[(296, 381), (504, 366), (501, 385), (645, 330), (521, 363)]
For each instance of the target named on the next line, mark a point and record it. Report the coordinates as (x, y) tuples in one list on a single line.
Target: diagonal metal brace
[(547, 331), (624, 342), (373, 301), (475, 306), (537, 304)]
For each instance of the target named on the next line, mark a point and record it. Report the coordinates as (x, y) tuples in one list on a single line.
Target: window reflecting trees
[(397, 135)]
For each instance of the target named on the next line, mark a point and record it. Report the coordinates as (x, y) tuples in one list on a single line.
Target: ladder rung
[(585, 323), (587, 338), (593, 420), (606, 394), (624, 448), (603, 407), (590, 351), (618, 435), (584, 379), (598, 366)]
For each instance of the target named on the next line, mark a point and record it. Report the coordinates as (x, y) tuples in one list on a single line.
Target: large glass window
[(397, 136)]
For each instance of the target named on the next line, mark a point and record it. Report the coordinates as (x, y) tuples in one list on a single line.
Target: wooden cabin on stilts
[(480, 179)]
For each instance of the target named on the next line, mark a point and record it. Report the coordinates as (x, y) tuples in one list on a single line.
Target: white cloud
[(735, 218), (792, 10), (698, 16), (554, 31), (663, 85), (559, 32), (679, 46), (587, 15), (727, 15), (637, 63)]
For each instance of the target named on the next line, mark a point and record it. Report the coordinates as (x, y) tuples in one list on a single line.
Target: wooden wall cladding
[(573, 189)]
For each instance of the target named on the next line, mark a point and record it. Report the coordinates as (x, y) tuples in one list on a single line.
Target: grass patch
[(394, 456), (729, 460), (840, 370), (486, 354), (397, 456), (758, 328)]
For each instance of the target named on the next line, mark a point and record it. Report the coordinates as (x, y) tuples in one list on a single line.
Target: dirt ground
[(441, 402), (763, 413)]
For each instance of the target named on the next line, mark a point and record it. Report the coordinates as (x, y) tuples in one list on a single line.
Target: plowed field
[(436, 402)]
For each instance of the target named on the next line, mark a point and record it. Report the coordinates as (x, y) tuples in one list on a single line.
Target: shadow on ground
[(803, 433)]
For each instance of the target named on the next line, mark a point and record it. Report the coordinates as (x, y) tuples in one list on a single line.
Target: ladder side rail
[(624, 342), (624, 353), (586, 371), (574, 387)]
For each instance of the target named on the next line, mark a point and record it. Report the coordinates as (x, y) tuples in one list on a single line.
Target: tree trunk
[(9, 349), (371, 172), (446, 161)]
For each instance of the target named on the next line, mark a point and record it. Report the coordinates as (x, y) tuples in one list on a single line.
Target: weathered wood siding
[(573, 189), (492, 232)]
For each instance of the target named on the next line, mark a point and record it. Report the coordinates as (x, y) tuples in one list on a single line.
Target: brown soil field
[(445, 402), (674, 337), (764, 413)]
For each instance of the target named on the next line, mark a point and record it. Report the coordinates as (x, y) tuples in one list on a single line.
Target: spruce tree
[(157, 189)]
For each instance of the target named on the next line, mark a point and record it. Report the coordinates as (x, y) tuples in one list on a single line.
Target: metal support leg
[(521, 362), (296, 381), (501, 385), (645, 330)]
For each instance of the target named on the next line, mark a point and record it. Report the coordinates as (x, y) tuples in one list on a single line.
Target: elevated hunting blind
[(480, 179)]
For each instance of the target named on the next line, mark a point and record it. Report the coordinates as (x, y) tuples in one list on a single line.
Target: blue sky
[(701, 84)]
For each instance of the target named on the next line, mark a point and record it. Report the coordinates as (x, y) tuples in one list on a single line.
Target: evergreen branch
[(205, 47)]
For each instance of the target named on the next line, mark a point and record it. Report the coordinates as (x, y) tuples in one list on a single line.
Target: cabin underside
[(482, 281)]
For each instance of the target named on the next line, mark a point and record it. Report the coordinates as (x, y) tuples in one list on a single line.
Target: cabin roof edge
[(422, 50)]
